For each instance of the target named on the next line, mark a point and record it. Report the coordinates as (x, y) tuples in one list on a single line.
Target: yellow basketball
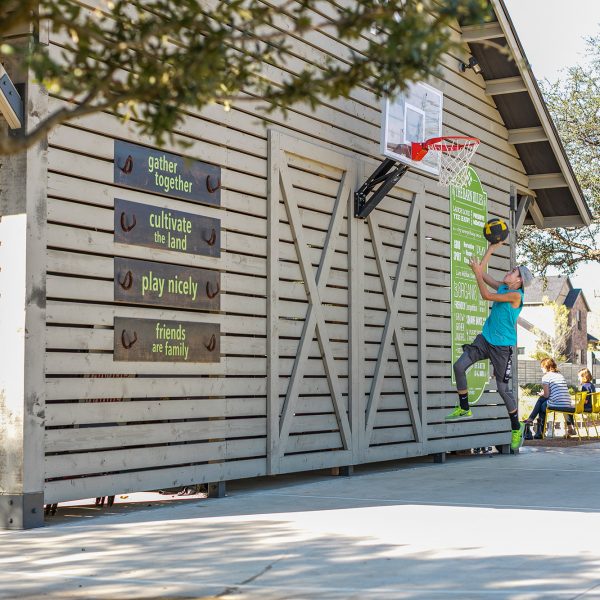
[(495, 230)]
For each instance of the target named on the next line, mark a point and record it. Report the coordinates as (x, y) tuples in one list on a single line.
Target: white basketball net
[(454, 159)]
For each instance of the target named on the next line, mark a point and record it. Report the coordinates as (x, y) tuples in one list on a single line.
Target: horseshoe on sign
[(212, 239), (211, 189), (210, 293), (128, 166), (125, 337), (212, 344), (127, 281), (124, 225)]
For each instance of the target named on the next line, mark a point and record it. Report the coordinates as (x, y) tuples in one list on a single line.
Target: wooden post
[(23, 181), (273, 404), (513, 261), (422, 316), (217, 490), (356, 327)]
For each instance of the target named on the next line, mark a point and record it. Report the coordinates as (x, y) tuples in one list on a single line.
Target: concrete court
[(476, 527)]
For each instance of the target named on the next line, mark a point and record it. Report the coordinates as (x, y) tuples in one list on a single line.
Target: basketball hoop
[(454, 154)]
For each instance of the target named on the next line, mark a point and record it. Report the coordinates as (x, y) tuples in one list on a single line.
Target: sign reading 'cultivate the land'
[(157, 340), (468, 214), (156, 227), (159, 284), (143, 168)]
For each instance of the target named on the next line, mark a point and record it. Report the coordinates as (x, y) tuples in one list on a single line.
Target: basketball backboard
[(415, 115)]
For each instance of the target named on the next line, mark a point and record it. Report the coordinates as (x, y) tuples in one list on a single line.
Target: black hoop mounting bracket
[(377, 186)]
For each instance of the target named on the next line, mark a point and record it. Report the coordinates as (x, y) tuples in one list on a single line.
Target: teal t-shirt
[(500, 328)]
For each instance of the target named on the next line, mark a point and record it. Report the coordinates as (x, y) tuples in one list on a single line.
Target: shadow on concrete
[(518, 527)]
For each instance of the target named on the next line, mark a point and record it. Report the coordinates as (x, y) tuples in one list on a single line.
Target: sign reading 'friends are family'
[(157, 340), (143, 168)]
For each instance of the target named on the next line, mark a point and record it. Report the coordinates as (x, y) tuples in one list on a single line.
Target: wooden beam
[(536, 215), (479, 33), (527, 135), (522, 209), (547, 181), (506, 85), (563, 221)]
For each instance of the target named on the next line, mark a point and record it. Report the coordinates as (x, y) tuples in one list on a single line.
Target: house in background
[(538, 318)]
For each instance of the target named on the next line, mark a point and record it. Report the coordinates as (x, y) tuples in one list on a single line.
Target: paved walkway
[(476, 527)]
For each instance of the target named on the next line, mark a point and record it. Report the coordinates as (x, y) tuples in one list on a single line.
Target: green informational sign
[(468, 215)]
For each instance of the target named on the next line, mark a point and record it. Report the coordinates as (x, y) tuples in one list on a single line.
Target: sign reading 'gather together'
[(143, 168)]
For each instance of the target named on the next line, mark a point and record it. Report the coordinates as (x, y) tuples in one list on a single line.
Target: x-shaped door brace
[(315, 318), (392, 321)]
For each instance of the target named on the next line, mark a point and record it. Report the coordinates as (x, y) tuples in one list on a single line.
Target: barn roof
[(554, 197)]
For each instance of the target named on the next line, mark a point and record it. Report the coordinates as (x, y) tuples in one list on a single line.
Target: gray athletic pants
[(499, 356)]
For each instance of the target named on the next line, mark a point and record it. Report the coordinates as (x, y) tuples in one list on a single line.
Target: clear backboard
[(415, 115)]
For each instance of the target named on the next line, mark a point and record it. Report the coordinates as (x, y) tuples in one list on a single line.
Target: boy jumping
[(496, 340)]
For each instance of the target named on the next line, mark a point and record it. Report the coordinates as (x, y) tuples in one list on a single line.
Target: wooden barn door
[(310, 350), (394, 325)]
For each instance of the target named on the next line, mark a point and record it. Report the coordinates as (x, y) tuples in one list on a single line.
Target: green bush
[(535, 389), (532, 389)]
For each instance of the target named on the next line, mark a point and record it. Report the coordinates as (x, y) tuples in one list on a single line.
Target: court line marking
[(431, 503), (398, 592)]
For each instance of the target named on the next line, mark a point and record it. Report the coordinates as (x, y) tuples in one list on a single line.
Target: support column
[(23, 184)]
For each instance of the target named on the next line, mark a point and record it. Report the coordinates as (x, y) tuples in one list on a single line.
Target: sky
[(553, 34)]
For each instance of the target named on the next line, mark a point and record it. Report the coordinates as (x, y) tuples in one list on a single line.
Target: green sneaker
[(517, 437), (459, 414)]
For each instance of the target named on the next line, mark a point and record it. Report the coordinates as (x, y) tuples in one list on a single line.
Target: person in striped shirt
[(555, 395)]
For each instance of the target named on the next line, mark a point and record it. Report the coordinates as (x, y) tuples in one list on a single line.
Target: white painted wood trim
[(480, 33), (505, 85), (527, 135), (547, 181)]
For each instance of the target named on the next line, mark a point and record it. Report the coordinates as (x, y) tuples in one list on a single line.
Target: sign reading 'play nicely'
[(468, 215), (143, 168), (159, 284)]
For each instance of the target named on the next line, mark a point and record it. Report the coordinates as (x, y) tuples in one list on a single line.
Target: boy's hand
[(475, 266)]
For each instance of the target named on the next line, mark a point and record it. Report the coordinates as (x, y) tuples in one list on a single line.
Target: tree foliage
[(574, 103), (554, 345), (147, 60)]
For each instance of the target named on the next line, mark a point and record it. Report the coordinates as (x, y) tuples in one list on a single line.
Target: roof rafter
[(545, 181), (480, 33), (527, 135), (506, 85)]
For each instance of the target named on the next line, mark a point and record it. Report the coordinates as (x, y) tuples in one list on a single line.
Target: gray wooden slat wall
[(293, 258)]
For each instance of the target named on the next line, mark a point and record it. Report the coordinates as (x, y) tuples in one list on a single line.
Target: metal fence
[(530, 372)]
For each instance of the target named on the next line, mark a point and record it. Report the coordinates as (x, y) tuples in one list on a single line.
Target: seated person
[(585, 379), (555, 395)]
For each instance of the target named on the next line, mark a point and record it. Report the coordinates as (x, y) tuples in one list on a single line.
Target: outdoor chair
[(579, 404), (595, 414)]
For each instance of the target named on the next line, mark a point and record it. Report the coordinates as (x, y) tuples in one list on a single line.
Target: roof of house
[(550, 288), (556, 197), (572, 298), (592, 339)]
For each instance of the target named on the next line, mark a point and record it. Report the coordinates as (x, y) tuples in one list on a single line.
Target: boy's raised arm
[(493, 283)]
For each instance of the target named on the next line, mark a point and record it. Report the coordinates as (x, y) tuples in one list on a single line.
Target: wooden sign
[(143, 168), (157, 340), (156, 227), (159, 284)]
